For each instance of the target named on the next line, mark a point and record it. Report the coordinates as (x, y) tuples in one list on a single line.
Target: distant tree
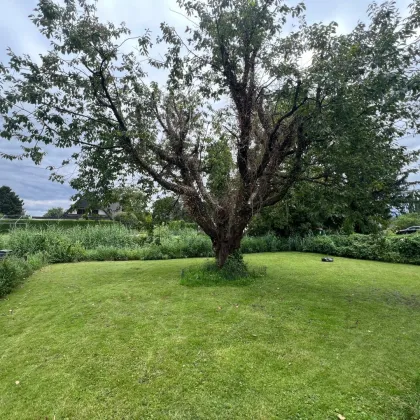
[(413, 202), (166, 209), (132, 206), (54, 213), (373, 190), (10, 203), (131, 200)]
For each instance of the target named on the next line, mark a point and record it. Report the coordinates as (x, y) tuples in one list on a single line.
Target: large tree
[(10, 203), (235, 126)]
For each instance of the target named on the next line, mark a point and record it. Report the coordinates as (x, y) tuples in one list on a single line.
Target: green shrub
[(295, 243), (266, 243), (14, 270), (390, 248), (404, 221), (186, 245), (407, 247), (321, 244), (129, 220), (4, 241), (179, 225)]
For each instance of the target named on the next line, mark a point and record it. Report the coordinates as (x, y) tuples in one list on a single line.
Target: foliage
[(166, 209), (8, 225), (176, 226), (400, 249), (129, 220), (121, 243), (404, 221), (219, 166), (283, 122), (4, 241), (14, 270), (55, 212), (55, 240), (264, 243), (133, 343), (10, 203), (310, 207), (413, 201)]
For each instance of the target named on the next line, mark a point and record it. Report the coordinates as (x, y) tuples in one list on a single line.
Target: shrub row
[(399, 249)]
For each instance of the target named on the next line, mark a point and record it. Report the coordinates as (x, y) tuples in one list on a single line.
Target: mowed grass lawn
[(124, 340)]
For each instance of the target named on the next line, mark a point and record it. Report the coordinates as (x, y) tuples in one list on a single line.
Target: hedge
[(392, 248)]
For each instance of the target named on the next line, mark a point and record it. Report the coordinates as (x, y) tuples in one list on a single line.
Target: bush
[(129, 220), (4, 241), (402, 249), (322, 244), (14, 270), (407, 247), (178, 225), (404, 221)]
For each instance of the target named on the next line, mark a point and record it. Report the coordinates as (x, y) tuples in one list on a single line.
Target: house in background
[(83, 208)]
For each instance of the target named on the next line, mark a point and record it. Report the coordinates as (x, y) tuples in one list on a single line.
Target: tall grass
[(4, 241), (32, 240), (14, 270), (115, 241)]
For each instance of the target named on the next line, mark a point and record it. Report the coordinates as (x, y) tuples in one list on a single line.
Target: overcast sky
[(31, 182)]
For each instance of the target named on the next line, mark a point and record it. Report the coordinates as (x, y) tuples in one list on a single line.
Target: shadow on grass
[(208, 274)]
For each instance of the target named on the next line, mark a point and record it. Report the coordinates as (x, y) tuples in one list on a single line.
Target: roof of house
[(83, 203)]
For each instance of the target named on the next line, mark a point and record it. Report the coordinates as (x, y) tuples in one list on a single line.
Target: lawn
[(124, 340)]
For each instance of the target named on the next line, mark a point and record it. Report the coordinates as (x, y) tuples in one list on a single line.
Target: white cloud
[(40, 207)]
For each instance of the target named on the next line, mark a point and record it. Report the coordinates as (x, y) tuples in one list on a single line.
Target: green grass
[(126, 341)]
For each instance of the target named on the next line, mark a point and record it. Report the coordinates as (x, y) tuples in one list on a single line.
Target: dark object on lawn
[(327, 259), (4, 253), (411, 229)]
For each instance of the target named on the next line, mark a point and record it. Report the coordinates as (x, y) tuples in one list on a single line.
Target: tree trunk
[(224, 247)]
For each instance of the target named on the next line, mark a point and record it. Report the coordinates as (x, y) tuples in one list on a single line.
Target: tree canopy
[(242, 118), (166, 209), (10, 203), (54, 212)]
